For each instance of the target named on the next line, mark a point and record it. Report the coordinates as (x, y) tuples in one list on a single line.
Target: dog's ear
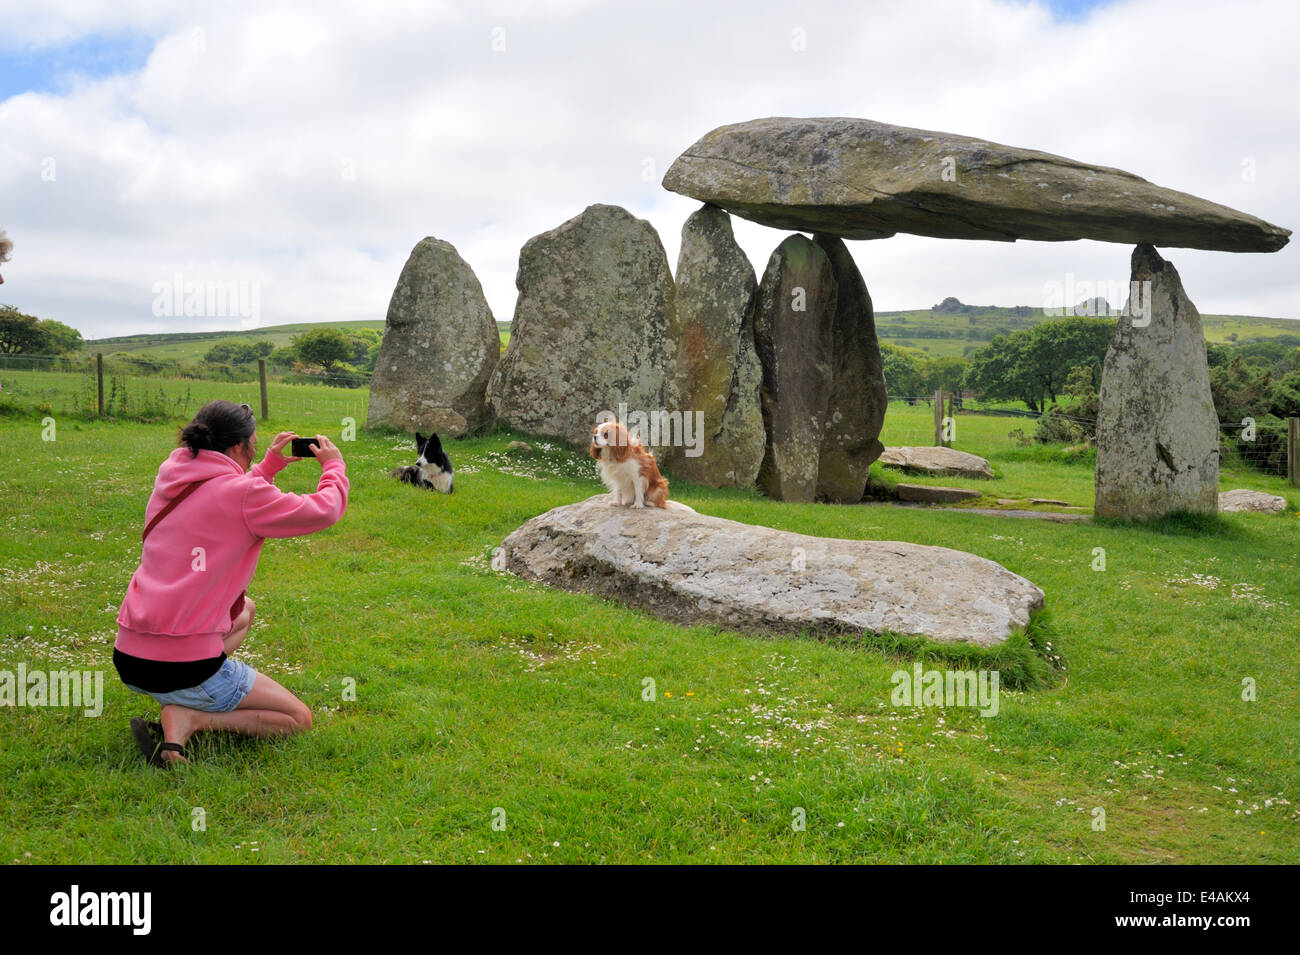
[(434, 442), (419, 440), (621, 445)]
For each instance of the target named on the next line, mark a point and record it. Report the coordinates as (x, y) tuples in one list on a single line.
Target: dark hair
[(217, 426)]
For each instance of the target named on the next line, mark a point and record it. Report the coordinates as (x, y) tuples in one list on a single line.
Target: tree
[(323, 346), (1240, 390), (1284, 399), (946, 373), (903, 376), (62, 338), (1057, 347), (1033, 365), (21, 334), (286, 355), (362, 339), (1000, 372)]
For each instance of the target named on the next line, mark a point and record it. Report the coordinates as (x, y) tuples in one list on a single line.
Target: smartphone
[(302, 448)]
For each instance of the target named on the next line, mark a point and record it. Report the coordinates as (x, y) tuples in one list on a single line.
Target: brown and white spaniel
[(627, 468)]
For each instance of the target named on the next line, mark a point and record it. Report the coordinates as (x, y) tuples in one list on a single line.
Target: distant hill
[(952, 328), (192, 346)]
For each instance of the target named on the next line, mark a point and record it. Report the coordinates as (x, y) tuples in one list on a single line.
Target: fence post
[(99, 374), (938, 418), (261, 378), (1293, 450)]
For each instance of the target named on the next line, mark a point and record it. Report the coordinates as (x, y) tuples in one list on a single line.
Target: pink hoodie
[(177, 606)]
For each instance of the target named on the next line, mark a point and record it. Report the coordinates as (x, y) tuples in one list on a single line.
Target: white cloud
[(227, 157)]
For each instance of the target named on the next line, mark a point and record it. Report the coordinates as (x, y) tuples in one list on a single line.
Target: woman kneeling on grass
[(185, 611)]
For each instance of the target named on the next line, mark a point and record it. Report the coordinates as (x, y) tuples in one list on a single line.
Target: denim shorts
[(219, 693)]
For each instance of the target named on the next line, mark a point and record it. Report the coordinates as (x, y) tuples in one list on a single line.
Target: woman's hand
[(280, 441), (326, 450)]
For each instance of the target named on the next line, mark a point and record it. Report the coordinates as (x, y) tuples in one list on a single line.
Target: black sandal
[(150, 746)]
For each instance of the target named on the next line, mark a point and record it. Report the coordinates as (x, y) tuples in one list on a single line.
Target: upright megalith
[(590, 332), (1157, 430), (792, 333), (715, 376), (855, 407), (440, 345)]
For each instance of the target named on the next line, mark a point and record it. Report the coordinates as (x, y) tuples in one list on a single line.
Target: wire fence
[(140, 389), (1262, 445), (144, 367)]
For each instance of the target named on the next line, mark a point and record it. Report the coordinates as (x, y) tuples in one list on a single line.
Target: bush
[(237, 353), (1056, 427), (1267, 451)]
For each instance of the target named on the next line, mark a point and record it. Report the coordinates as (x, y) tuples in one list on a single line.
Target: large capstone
[(855, 407), (691, 568), (595, 303), (440, 345), (715, 376), (792, 332), (1157, 430), (860, 179)]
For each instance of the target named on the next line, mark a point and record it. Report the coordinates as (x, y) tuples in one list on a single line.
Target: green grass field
[(478, 693)]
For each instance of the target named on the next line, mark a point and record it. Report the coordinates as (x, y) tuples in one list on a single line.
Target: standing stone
[(855, 409), (792, 333), (440, 344), (716, 372), (1157, 430), (596, 300)]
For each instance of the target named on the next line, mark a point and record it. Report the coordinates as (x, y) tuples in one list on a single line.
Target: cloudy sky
[(304, 148)]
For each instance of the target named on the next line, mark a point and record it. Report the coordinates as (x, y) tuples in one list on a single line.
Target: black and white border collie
[(432, 469)]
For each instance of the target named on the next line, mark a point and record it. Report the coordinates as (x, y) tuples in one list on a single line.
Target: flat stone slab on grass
[(934, 494), (1240, 499), (936, 460), (691, 568)]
